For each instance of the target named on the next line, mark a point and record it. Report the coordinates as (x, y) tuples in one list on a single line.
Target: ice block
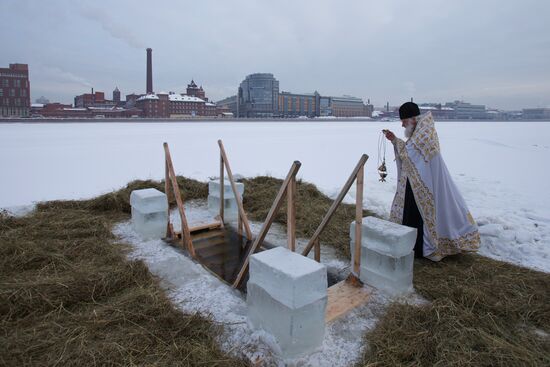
[(287, 297), (149, 213)]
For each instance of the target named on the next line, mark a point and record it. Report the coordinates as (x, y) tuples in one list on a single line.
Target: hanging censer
[(382, 171)]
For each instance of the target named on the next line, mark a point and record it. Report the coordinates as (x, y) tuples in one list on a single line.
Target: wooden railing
[(171, 180), (242, 218), (358, 173), (288, 187)]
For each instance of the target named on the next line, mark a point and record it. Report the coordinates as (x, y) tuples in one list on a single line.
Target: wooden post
[(335, 204), (235, 192), (358, 221), (239, 225), (268, 221), (317, 248), (222, 189), (167, 193), (186, 234), (291, 214)]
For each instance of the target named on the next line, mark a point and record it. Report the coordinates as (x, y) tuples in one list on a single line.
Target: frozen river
[(500, 167)]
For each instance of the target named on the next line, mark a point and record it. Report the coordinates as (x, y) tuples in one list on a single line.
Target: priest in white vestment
[(426, 197)]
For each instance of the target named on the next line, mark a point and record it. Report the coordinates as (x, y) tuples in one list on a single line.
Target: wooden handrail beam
[(186, 238), (167, 193), (358, 220), (238, 197), (268, 221), (335, 204), (291, 214), (222, 189)]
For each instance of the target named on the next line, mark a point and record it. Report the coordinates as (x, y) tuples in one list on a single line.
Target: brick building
[(184, 105), (58, 110), (154, 105), (295, 105), (194, 91), (94, 99), (15, 91)]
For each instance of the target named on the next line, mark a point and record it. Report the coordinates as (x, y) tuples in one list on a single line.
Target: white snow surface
[(500, 167)]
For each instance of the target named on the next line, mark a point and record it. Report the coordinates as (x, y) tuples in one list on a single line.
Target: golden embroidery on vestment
[(426, 205), (424, 138)]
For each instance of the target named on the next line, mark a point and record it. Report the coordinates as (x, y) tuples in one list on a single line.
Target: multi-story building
[(15, 100), (439, 112), (94, 99), (58, 110), (536, 113), (183, 105), (345, 106), (210, 109), (131, 99), (467, 111), (154, 105), (116, 96), (195, 91), (295, 105), (258, 96), (228, 104), (348, 106)]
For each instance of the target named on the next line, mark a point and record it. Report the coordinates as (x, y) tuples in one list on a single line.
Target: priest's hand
[(389, 135)]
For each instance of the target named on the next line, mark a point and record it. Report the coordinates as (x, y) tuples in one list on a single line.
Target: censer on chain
[(382, 171)]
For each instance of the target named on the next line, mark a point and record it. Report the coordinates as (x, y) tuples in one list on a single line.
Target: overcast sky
[(490, 52)]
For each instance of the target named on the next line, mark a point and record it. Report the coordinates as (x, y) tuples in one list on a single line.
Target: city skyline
[(491, 53)]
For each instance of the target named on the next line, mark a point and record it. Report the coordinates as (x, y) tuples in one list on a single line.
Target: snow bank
[(498, 166)]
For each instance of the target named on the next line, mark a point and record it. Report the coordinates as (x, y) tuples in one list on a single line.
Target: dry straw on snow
[(69, 296)]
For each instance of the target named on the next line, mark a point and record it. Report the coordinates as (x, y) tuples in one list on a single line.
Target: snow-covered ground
[(500, 167)]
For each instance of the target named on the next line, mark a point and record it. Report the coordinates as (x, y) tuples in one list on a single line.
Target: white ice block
[(230, 208), (385, 237), (149, 225), (391, 274), (298, 330), (148, 200), (214, 188), (290, 278), (149, 213)]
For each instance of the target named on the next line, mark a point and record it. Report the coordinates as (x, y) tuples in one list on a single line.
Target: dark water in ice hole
[(223, 252)]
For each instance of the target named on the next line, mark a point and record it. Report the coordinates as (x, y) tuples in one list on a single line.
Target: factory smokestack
[(149, 71)]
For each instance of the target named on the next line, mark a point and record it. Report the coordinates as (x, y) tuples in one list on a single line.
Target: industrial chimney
[(149, 71)]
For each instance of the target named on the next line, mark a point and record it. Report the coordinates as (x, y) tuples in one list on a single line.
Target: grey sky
[(491, 52)]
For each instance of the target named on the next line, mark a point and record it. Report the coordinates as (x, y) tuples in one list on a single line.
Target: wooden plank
[(206, 234), (335, 204), (344, 297), (186, 238), (291, 214), (202, 227), (209, 242), (235, 192), (268, 221), (222, 189), (358, 221)]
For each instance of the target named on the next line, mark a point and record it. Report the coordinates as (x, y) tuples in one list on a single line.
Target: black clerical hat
[(408, 109)]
